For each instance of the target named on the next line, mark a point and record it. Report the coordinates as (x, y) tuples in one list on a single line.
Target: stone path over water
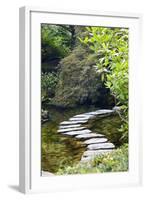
[(96, 144)]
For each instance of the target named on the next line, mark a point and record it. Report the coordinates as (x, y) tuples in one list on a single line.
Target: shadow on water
[(58, 150)]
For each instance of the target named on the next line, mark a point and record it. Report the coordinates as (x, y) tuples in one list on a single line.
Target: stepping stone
[(96, 152), (78, 119), (89, 135), (105, 111), (89, 155), (95, 140), (101, 146), (70, 129), (92, 113), (84, 116), (82, 132), (99, 112), (70, 126), (45, 173), (85, 159), (73, 122)]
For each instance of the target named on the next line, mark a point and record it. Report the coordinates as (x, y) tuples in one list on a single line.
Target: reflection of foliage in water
[(58, 150), (109, 126)]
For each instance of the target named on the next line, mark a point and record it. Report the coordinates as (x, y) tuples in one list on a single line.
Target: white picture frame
[(30, 137)]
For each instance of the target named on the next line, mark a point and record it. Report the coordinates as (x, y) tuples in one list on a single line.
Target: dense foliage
[(111, 48), (48, 85), (79, 83), (55, 42), (115, 161)]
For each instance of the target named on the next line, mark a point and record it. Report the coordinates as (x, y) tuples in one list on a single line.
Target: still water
[(59, 150)]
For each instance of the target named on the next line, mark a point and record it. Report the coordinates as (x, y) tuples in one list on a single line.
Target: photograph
[(84, 99)]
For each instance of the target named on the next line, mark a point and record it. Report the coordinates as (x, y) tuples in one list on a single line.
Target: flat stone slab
[(101, 146), (45, 173), (99, 112), (82, 132), (73, 122), (69, 126), (89, 135), (85, 159), (78, 119), (70, 129), (88, 116), (95, 140), (96, 152), (90, 155)]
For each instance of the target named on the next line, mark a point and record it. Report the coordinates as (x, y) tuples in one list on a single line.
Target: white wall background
[(9, 85)]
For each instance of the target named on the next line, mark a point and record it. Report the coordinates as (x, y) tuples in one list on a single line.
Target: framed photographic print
[(79, 99)]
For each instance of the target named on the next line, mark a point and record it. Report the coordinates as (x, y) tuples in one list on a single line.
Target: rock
[(101, 112), (73, 122), (45, 173), (116, 108), (95, 140), (78, 119), (104, 111), (86, 159), (82, 132), (88, 116), (44, 114), (101, 146), (69, 126), (90, 155), (70, 129), (90, 135), (96, 152)]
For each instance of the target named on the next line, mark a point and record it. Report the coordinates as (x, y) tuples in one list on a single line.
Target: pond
[(59, 150)]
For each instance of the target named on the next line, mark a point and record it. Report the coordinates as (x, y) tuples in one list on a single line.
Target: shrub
[(48, 84), (116, 161), (111, 48), (78, 81)]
